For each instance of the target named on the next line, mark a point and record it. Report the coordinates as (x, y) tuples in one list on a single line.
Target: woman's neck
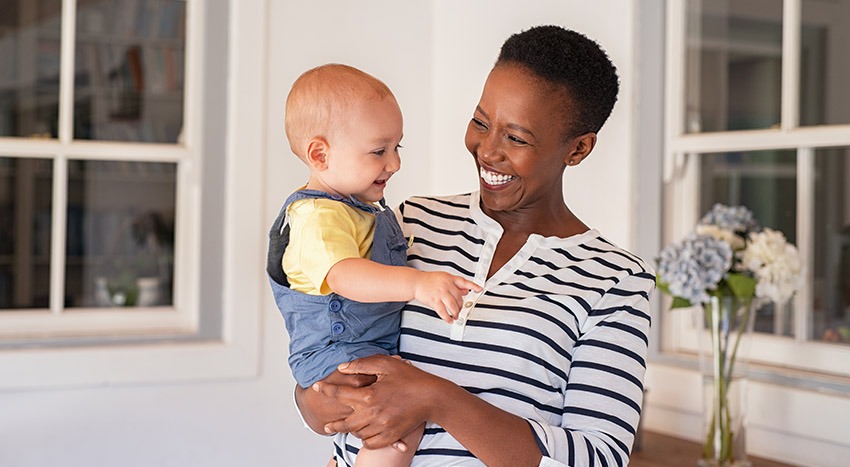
[(556, 221)]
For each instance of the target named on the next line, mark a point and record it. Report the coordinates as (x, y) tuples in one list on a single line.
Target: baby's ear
[(317, 154)]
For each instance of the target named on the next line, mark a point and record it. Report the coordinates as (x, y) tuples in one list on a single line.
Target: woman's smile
[(493, 179)]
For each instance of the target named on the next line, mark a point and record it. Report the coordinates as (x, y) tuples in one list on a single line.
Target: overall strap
[(279, 232)]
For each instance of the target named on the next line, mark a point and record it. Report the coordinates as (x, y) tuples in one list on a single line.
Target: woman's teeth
[(493, 178)]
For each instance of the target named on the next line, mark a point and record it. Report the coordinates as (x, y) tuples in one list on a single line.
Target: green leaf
[(742, 285), (679, 302)]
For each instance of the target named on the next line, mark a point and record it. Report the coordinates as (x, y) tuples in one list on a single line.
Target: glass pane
[(831, 316), (128, 83), (120, 237), (766, 183), (26, 199), (29, 67), (825, 63), (733, 65)]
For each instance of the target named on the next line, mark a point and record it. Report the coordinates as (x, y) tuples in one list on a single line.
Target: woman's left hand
[(402, 398)]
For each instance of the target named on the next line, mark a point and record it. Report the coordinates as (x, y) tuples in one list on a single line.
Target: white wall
[(435, 56)]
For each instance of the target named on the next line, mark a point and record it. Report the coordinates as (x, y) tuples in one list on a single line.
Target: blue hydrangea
[(693, 266), (732, 218)]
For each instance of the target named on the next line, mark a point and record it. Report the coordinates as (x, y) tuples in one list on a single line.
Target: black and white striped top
[(558, 336)]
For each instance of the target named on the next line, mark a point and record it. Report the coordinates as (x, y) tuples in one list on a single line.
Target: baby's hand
[(443, 292)]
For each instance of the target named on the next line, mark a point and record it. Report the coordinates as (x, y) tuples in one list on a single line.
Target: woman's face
[(516, 136)]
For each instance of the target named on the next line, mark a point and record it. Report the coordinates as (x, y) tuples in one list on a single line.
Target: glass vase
[(724, 350)]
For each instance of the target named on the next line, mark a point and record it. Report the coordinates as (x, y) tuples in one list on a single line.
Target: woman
[(545, 366)]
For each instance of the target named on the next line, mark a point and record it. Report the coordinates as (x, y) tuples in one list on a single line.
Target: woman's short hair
[(570, 59)]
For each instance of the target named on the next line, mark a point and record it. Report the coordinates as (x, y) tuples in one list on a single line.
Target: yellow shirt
[(323, 232)]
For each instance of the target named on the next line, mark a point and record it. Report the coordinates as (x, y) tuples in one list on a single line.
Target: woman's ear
[(580, 148), (317, 154)]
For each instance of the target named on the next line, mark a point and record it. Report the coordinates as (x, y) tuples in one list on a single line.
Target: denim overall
[(326, 330)]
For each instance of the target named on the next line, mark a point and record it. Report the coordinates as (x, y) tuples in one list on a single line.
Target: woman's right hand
[(318, 409)]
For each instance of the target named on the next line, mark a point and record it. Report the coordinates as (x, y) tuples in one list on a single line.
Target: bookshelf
[(129, 73), (128, 69), (29, 77), (25, 205), (120, 230)]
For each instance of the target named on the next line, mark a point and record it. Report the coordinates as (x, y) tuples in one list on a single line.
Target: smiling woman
[(545, 364)]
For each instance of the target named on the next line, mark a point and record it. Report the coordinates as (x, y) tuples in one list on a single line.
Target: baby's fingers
[(467, 285), (445, 313)]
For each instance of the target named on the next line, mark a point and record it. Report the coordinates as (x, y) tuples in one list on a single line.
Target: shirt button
[(337, 328), (334, 305), (467, 305), (459, 322)]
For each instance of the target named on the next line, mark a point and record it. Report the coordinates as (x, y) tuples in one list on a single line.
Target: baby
[(337, 256)]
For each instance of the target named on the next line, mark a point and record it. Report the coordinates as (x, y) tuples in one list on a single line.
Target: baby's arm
[(367, 281)]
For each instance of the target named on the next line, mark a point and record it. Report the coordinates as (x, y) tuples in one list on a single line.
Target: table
[(659, 450)]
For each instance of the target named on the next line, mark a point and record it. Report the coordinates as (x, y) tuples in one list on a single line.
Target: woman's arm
[(404, 396), (602, 403)]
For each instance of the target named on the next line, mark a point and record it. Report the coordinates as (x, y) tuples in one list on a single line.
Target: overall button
[(337, 328), (334, 305)]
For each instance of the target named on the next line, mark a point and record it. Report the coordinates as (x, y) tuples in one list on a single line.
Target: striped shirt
[(558, 335)]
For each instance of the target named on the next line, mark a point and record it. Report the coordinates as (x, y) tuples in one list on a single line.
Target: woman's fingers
[(317, 409), (339, 426), (341, 394), (355, 381), (376, 365)]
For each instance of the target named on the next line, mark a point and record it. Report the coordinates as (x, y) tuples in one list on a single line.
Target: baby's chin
[(370, 198)]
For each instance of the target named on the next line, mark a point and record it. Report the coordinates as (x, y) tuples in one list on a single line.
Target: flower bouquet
[(728, 266)]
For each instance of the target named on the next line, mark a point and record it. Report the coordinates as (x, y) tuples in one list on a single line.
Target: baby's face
[(364, 151)]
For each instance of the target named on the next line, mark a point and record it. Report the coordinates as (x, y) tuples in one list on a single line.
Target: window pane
[(26, 198), (128, 83), (120, 234), (29, 67), (733, 65), (766, 183), (825, 63), (832, 246)]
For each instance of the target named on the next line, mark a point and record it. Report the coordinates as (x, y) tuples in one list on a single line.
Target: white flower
[(734, 240), (775, 263)]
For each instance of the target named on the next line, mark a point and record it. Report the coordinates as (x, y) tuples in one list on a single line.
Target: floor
[(657, 450)]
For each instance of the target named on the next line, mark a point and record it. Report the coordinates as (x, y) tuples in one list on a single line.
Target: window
[(758, 114), (94, 166), (150, 163)]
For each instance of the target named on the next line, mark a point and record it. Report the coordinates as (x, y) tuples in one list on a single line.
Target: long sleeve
[(605, 387)]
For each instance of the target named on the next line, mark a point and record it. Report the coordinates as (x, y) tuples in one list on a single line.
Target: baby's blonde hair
[(320, 96)]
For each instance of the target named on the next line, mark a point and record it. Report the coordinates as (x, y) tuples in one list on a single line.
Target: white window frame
[(785, 356), (98, 360)]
